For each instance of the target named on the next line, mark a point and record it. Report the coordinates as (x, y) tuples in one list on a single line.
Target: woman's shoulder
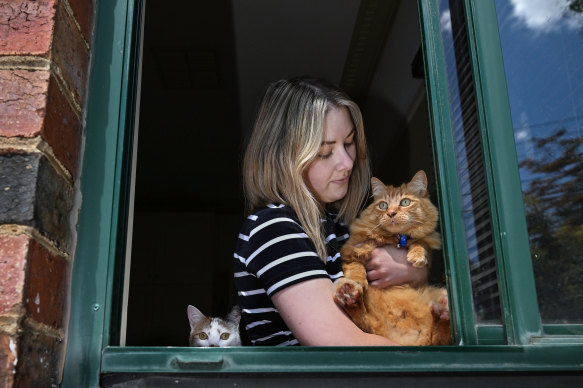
[(271, 211), (271, 217)]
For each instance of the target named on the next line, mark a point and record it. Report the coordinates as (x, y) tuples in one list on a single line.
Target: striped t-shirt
[(273, 252)]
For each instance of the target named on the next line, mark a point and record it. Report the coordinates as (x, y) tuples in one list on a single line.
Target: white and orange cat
[(409, 315), (213, 331)]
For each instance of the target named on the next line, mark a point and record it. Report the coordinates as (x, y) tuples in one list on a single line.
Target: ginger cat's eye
[(405, 202), (203, 336), (225, 336), (383, 205)]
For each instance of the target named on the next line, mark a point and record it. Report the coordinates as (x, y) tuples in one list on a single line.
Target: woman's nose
[(345, 160)]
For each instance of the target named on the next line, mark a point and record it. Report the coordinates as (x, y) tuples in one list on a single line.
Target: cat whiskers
[(376, 226)]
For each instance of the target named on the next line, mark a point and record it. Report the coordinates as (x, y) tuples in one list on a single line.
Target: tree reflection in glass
[(542, 46)]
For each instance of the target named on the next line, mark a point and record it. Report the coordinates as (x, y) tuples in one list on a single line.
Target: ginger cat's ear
[(377, 186), (419, 184)]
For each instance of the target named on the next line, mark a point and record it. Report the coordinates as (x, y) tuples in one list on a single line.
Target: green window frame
[(521, 343)]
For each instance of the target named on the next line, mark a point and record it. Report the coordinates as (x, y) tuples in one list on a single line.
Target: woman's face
[(328, 175)]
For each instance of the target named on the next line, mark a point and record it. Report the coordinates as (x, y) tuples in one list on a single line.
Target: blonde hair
[(286, 139)]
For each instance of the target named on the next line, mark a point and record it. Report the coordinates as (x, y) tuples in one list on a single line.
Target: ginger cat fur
[(406, 314)]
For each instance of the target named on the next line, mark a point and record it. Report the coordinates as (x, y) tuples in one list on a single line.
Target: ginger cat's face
[(402, 210)]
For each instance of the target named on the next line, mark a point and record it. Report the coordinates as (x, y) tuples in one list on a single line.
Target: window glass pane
[(470, 163), (543, 51)]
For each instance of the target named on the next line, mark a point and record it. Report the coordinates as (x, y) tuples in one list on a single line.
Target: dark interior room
[(205, 66)]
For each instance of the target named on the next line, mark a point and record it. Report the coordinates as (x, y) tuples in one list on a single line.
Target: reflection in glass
[(470, 164), (543, 54)]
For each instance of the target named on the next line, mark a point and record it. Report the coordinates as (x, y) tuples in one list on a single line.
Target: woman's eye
[(405, 202), (383, 205), (202, 336), (325, 156), (225, 336)]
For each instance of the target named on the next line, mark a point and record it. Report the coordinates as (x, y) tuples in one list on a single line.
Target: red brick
[(7, 358), (13, 260), (70, 54), (46, 286), (62, 128), (23, 101), (26, 26), (33, 105), (83, 11), (38, 359), (37, 28), (35, 194)]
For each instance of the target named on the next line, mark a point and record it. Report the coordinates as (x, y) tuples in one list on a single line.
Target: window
[(542, 53), (201, 84), (470, 164), (492, 286)]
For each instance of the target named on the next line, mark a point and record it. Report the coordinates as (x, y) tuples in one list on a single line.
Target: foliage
[(554, 212), (576, 5)]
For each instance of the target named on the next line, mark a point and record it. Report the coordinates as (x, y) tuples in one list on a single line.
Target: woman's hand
[(388, 266)]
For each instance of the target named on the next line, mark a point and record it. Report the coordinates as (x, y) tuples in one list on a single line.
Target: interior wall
[(188, 200), (420, 152), (179, 258), (393, 100)]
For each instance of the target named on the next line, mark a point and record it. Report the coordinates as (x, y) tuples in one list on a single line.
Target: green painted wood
[(98, 216), (563, 329), (491, 335), (456, 260), (515, 273), (128, 114), (566, 357)]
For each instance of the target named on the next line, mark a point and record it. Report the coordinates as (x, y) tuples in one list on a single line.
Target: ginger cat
[(409, 315)]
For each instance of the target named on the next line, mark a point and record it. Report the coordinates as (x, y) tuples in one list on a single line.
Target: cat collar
[(402, 240)]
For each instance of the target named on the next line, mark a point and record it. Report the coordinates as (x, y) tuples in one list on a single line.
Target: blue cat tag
[(402, 241)]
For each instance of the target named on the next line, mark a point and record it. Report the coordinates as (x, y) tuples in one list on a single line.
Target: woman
[(306, 175)]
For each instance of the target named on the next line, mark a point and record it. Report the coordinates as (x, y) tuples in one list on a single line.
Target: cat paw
[(348, 293), (417, 258), (440, 308)]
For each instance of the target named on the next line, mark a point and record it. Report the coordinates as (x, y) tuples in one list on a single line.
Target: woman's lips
[(341, 180)]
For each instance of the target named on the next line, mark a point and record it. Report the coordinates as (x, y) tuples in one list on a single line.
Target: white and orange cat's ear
[(419, 184), (378, 187), (194, 315), (234, 315)]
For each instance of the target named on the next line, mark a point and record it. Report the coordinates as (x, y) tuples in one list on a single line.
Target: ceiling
[(207, 63)]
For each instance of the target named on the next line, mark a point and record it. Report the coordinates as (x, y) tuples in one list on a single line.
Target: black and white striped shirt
[(273, 252)]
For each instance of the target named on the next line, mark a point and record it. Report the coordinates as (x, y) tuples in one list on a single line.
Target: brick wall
[(44, 60)]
